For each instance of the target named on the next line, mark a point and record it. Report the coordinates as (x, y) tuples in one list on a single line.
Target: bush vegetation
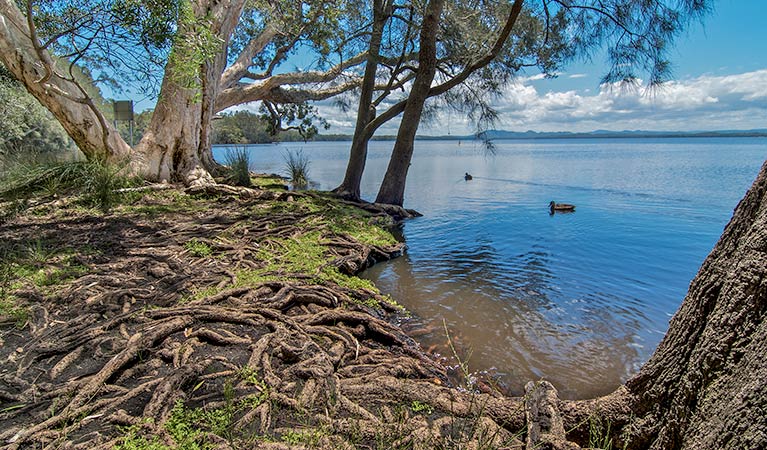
[(238, 160), (297, 167), (97, 184)]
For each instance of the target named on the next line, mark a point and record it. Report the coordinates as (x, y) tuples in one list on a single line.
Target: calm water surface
[(580, 299)]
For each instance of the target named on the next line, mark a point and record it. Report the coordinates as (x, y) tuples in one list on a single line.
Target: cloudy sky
[(720, 83)]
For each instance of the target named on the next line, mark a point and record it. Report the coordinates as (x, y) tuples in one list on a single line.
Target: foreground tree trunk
[(392, 189), (176, 145), (350, 187), (705, 386)]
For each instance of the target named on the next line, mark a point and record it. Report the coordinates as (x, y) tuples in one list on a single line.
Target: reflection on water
[(508, 323), (580, 299)]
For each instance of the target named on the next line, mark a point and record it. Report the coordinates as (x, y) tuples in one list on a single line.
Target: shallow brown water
[(510, 343)]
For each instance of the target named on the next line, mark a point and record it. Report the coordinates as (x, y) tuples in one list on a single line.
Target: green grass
[(95, 182), (310, 437), (198, 248), (189, 427), (305, 254), (274, 183), (599, 434), (164, 202), (297, 167), (10, 311), (285, 259), (39, 263), (417, 407), (238, 160)]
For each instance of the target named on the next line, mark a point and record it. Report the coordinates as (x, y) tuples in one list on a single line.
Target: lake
[(580, 299)]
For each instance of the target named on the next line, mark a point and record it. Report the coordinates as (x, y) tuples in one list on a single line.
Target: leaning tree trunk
[(392, 189), (705, 387), (21, 53), (350, 187), (176, 145)]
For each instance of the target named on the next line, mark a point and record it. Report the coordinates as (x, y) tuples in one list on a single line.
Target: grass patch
[(297, 167), (599, 434), (238, 160), (189, 427), (198, 248), (417, 407), (95, 182), (39, 263), (168, 201), (270, 182), (294, 257), (305, 254), (10, 311), (310, 438)]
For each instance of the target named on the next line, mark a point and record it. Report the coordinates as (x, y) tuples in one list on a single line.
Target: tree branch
[(397, 108), (245, 93)]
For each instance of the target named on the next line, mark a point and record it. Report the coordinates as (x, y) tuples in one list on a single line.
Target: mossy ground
[(234, 321)]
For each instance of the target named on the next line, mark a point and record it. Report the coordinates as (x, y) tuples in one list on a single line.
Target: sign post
[(123, 110)]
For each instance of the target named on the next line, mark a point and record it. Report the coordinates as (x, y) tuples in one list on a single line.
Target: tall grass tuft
[(297, 167), (238, 160), (98, 183)]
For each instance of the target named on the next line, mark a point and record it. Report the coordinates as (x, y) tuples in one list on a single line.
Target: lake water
[(579, 299)]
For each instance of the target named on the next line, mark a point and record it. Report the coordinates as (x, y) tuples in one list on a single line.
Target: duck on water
[(561, 207)]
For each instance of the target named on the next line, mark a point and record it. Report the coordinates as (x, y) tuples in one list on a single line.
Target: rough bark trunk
[(34, 67), (176, 145), (392, 189), (704, 387), (171, 148), (350, 187)]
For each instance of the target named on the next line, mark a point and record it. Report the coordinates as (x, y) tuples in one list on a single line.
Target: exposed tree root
[(152, 330)]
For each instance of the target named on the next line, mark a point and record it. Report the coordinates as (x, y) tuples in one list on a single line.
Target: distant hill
[(500, 134)]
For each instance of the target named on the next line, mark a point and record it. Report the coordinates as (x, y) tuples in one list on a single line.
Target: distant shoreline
[(528, 135), (496, 135)]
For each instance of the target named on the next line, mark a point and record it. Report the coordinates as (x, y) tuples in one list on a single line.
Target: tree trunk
[(705, 386), (392, 189), (350, 187), (176, 145), (171, 148), (35, 68)]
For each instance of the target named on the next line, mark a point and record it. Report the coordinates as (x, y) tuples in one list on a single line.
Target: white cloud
[(577, 75), (707, 102)]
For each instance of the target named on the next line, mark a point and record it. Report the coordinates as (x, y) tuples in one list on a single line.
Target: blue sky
[(719, 82)]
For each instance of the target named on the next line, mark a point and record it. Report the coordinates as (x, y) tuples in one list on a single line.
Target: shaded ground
[(219, 322)]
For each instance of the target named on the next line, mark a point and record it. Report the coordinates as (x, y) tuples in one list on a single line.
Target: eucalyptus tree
[(477, 48), (482, 44), (637, 34), (212, 55)]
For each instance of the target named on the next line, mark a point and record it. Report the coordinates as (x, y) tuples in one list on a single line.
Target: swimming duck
[(467, 177), (560, 207)]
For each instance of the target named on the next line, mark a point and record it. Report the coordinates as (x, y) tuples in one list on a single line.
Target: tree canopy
[(205, 56)]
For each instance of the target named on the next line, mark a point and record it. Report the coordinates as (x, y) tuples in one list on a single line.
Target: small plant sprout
[(417, 407)]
